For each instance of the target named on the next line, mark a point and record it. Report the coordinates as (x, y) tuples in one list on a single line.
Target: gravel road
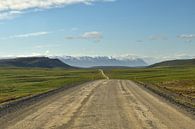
[(102, 104)]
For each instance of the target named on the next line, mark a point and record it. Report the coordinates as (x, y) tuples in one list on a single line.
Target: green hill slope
[(39, 62), (173, 63)]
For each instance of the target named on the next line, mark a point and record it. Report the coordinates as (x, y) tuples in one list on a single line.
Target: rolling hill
[(39, 62), (173, 63)]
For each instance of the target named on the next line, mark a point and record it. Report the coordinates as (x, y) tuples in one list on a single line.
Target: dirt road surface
[(103, 74), (103, 104)]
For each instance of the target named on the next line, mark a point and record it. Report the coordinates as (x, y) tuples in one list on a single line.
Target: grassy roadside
[(20, 82), (174, 83)]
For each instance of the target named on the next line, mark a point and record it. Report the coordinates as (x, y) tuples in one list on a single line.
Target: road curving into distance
[(103, 74), (102, 104)]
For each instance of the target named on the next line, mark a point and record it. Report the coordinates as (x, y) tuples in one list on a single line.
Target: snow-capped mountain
[(87, 61)]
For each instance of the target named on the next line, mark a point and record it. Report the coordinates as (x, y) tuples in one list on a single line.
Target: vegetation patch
[(20, 82)]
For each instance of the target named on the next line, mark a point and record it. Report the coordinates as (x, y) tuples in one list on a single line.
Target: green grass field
[(19, 82), (178, 82)]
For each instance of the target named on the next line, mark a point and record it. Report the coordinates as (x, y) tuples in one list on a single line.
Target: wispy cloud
[(32, 54), (47, 46), (154, 37), (9, 14), (93, 35), (74, 29), (10, 8), (158, 37), (187, 37), (31, 34), (27, 35), (139, 41)]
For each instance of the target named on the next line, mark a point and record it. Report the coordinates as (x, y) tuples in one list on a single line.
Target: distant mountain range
[(40, 62), (86, 61), (174, 63)]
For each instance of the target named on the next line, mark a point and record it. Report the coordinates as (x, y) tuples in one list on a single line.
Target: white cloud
[(187, 37), (93, 35), (8, 6), (35, 54), (30, 35), (9, 14), (47, 52), (30, 54), (27, 35)]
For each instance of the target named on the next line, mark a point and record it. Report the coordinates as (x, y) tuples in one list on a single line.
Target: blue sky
[(143, 28)]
